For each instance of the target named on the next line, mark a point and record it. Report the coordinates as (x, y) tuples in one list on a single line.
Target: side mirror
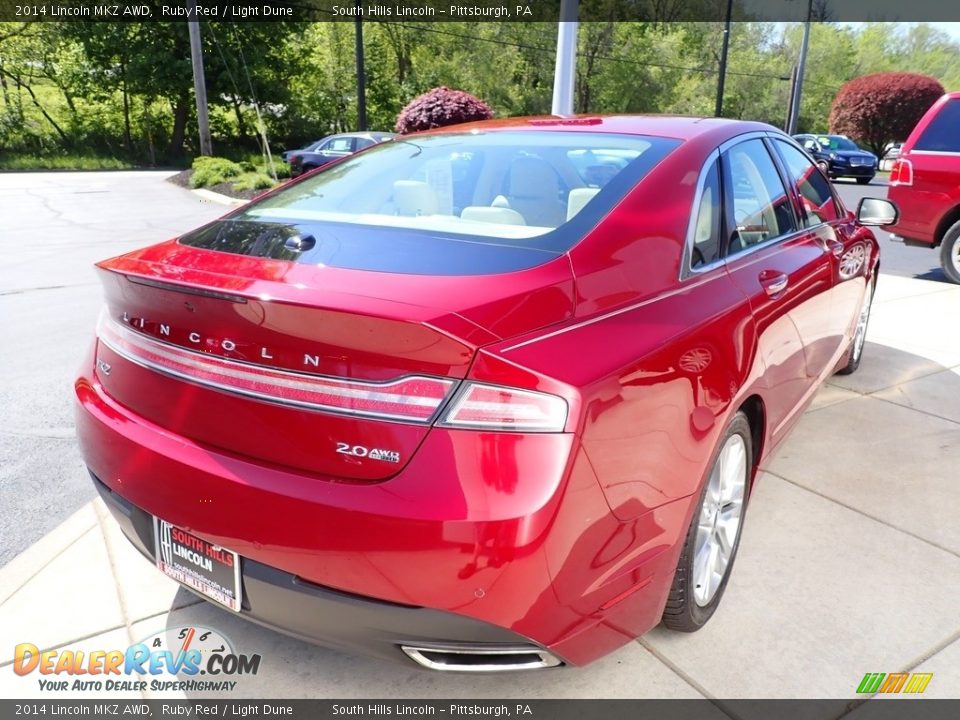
[(878, 212)]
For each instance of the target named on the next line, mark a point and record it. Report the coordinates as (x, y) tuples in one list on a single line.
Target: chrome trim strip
[(161, 349), (546, 659), (947, 153)]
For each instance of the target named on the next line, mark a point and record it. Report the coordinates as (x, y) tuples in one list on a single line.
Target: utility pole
[(798, 86), (723, 60), (565, 70), (793, 93), (361, 78), (199, 81)]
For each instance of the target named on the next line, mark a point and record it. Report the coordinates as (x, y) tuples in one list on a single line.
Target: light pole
[(199, 81), (798, 85), (361, 79), (723, 59), (565, 69)]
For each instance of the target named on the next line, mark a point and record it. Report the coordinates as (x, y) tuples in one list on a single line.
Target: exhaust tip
[(481, 658)]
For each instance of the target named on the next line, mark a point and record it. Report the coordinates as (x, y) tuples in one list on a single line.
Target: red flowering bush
[(882, 108), (441, 107)]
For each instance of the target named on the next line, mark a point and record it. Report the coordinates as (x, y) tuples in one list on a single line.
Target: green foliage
[(60, 161), (209, 171), (254, 181), (245, 175), (125, 90)]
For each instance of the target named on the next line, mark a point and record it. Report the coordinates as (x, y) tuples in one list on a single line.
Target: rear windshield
[(943, 132), (445, 204)]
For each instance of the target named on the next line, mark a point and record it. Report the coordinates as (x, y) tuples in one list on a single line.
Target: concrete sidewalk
[(850, 563)]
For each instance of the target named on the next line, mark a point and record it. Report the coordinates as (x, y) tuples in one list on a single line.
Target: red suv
[(925, 184)]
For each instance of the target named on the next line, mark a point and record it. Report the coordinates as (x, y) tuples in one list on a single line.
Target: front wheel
[(950, 253), (714, 534), (864, 181)]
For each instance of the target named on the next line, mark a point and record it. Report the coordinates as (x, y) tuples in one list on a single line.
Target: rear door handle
[(773, 282)]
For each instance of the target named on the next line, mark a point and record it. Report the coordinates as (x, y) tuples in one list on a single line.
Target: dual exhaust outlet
[(481, 658)]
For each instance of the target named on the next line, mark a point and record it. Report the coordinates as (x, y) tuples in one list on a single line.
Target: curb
[(19, 571), (211, 196)]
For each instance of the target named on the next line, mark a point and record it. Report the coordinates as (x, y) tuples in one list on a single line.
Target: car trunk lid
[(292, 364)]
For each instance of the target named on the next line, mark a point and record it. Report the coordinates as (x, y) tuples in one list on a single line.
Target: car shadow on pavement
[(855, 411)]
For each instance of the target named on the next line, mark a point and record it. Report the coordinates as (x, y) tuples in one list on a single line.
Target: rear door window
[(757, 201), (339, 145), (943, 132)]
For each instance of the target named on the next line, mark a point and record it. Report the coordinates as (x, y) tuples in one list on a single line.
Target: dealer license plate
[(209, 569)]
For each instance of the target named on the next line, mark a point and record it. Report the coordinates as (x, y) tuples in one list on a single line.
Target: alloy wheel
[(720, 519), (861, 333)]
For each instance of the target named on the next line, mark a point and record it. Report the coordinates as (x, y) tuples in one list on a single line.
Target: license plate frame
[(199, 565)]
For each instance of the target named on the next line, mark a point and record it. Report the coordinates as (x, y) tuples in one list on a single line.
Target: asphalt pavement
[(53, 227)]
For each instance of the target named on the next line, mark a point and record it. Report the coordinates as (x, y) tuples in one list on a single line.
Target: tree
[(882, 108), (441, 107)]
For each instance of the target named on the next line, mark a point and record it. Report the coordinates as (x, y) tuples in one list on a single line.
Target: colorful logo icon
[(914, 683)]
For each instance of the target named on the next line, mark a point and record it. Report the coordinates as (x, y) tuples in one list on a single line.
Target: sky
[(951, 28)]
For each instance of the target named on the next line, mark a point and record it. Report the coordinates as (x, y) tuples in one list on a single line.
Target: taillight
[(490, 407), (410, 399), (901, 173)]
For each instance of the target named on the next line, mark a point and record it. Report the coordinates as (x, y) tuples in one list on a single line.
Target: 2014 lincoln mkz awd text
[(485, 398)]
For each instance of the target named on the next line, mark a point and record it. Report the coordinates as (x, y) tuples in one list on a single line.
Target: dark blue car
[(838, 156)]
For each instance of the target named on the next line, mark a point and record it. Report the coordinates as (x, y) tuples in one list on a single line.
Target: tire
[(859, 337), (950, 253), (864, 181), (824, 167), (691, 603)]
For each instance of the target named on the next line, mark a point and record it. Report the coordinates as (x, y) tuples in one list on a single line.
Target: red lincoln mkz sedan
[(485, 398)]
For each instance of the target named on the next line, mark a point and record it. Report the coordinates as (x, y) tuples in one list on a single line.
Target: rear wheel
[(860, 334), (714, 535), (950, 253)]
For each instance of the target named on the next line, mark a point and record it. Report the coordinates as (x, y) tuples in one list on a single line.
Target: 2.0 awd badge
[(361, 451)]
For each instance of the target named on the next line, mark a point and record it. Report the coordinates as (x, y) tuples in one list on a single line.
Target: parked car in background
[(492, 397), (839, 156), (306, 148), (925, 184), (891, 151), (332, 148)]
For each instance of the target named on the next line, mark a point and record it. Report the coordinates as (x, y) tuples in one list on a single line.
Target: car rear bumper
[(284, 602), (502, 539)]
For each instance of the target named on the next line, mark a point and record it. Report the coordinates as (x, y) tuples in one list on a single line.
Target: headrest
[(578, 198), (413, 197)]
